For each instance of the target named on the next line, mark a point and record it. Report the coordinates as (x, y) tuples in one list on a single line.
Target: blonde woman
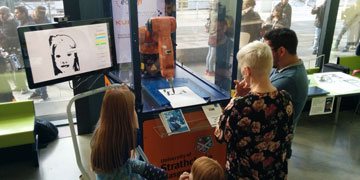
[(114, 139), (204, 168), (257, 125)]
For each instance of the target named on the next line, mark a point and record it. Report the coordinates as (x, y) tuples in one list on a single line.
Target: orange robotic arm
[(161, 29), (147, 44)]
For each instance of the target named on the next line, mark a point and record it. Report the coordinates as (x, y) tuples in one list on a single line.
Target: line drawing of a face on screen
[(63, 54)]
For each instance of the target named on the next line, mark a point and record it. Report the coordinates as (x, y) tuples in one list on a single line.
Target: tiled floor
[(324, 151), (320, 151)]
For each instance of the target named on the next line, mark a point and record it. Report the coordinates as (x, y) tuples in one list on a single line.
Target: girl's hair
[(205, 168), (115, 134)]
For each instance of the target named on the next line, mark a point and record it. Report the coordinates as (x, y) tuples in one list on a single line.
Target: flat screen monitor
[(59, 52)]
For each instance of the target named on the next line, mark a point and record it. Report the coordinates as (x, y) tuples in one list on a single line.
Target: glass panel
[(347, 28), (188, 31), (50, 100), (260, 16), (205, 39)]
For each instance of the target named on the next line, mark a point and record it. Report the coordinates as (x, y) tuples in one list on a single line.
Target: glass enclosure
[(204, 43), (206, 29), (205, 39)]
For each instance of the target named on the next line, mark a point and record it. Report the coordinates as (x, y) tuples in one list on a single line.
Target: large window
[(298, 15), (50, 100), (305, 17), (347, 29)]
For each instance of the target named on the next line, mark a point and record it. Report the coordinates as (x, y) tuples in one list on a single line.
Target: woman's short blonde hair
[(115, 134), (257, 56), (205, 168)]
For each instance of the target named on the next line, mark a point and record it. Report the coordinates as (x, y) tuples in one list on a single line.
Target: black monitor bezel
[(66, 24)]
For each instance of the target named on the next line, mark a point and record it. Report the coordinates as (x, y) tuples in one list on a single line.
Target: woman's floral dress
[(258, 129)]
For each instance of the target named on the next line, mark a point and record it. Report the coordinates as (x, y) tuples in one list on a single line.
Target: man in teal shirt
[(288, 72)]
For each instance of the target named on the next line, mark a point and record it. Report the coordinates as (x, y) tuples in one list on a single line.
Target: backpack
[(46, 131)]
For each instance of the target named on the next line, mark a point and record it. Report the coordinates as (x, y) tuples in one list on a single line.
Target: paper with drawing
[(183, 96)]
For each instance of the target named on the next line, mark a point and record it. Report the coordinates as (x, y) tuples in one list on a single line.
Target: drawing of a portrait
[(63, 54)]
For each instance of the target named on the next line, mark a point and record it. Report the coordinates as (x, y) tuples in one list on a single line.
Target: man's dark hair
[(283, 37), (22, 9)]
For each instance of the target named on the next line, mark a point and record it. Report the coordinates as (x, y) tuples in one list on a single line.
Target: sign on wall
[(146, 10)]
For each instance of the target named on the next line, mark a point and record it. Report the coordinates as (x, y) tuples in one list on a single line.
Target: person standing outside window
[(319, 12), (39, 17), (5, 89), (286, 12), (217, 11), (274, 21), (250, 20), (22, 14), (9, 42), (351, 19)]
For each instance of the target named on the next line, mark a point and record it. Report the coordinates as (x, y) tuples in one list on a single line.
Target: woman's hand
[(241, 88), (185, 175)]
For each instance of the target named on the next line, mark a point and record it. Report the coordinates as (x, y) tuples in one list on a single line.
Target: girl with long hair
[(114, 140)]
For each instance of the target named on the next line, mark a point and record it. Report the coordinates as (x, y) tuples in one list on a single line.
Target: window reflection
[(304, 17), (13, 83), (205, 38), (258, 16)]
